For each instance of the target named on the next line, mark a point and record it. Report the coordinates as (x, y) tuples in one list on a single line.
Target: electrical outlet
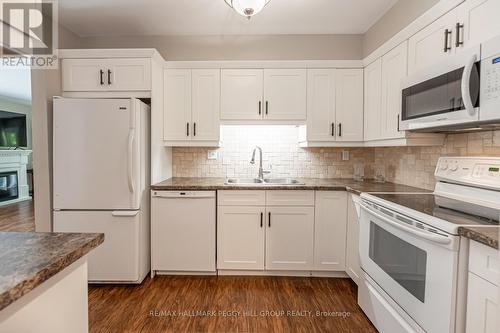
[(212, 155), (345, 155)]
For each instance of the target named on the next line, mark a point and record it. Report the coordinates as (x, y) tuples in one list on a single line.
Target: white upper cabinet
[(285, 94), (373, 96), (349, 104), (432, 44), (273, 94), (394, 69), (241, 94), (177, 99), (334, 105), (321, 104), (119, 74), (330, 223), (205, 104), (192, 104), (477, 22)]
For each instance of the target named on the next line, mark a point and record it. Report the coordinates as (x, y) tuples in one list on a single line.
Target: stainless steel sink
[(243, 181), (256, 181), (282, 181)]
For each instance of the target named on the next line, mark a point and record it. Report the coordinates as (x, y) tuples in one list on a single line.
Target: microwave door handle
[(418, 233), (130, 160), (467, 100)]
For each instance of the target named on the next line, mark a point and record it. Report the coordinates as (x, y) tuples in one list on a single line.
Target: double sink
[(264, 182)]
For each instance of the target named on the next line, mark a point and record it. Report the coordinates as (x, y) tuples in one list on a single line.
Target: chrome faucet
[(252, 161)]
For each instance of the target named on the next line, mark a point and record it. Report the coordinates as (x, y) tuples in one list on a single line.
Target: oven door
[(446, 94), (413, 266)]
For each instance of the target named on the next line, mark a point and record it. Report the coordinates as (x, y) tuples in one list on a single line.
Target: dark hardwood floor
[(215, 304), (17, 217), (228, 304)]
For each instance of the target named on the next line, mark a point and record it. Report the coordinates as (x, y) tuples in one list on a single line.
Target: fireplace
[(9, 186)]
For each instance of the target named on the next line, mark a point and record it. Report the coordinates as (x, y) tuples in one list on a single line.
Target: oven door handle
[(419, 233), (465, 87)]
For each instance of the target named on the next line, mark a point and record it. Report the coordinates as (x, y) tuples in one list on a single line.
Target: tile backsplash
[(282, 155), (415, 166)]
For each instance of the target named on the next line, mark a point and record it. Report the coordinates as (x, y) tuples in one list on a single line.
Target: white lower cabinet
[(353, 267), (330, 230), (289, 238), (240, 237), (482, 289), (282, 231)]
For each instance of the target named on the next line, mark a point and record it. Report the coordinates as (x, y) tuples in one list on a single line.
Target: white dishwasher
[(183, 232)]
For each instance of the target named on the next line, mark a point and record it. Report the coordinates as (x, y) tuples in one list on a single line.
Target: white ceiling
[(16, 83), (214, 17)]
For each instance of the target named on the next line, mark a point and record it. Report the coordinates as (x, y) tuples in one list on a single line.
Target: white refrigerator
[(101, 182)]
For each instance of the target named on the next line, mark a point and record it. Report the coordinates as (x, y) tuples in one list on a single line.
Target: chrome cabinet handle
[(109, 76), (267, 107), (458, 41), (447, 34), (269, 219), (399, 130), (194, 129), (260, 108), (101, 73), (261, 219), (340, 129), (187, 129), (333, 129)]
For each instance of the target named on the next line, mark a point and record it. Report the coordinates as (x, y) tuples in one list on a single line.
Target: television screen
[(13, 129)]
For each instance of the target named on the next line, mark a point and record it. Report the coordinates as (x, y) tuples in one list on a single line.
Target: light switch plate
[(345, 155), (212, 155)]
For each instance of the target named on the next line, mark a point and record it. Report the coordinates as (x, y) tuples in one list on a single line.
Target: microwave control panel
[(490, 80)]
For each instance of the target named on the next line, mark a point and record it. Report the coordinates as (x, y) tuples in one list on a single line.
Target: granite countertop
[(485, 235), (325, 184), (27, 259)]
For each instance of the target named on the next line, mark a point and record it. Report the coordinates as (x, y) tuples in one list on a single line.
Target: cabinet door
[(128, 74), (480, 22), (289, 238), (373, 97), (321, 105), (427, 47), (240, 237), (349, 104), (177, 110), (353, 267), (84, 75), (482, 306), (330, 230), (285, 94), (394, 69), (241, 94), (205, 104)]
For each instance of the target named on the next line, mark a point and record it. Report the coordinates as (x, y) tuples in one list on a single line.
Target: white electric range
[(411, 256)]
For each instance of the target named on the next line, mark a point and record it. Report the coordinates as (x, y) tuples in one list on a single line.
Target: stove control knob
[(454, 168), (444, 166)]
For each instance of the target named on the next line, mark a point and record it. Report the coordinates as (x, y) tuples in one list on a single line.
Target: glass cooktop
[(451, 210)]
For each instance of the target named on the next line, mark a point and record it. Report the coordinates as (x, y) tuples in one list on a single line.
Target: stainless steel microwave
[(462, 92)]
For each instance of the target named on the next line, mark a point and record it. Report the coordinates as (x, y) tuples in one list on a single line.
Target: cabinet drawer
[(484, 262), (290, 198), (241, 198)]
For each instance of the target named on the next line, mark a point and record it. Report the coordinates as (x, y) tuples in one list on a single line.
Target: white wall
[(262, 47), (398, 17)]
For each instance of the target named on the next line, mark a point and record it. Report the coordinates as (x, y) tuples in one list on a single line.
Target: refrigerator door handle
[(131, 135), (125, 213)]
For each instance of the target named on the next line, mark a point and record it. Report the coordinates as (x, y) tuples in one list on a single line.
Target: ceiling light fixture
[(247, 8)]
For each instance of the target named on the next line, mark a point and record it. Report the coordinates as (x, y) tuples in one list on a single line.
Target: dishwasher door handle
[(184, 194)]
